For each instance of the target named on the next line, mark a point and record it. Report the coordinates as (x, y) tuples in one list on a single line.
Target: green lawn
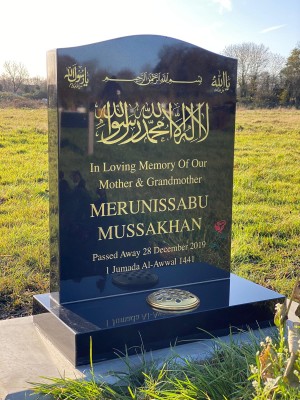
[(24, 251), (266, 229), (266, 200)]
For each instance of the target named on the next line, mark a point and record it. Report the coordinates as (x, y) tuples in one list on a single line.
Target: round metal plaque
[(173, 300)]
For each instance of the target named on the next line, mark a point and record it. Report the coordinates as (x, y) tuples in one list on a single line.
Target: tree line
[(15, 79), (265, 79)]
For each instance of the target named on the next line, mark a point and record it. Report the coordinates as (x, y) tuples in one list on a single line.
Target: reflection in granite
[(116, 322), (142, 160)]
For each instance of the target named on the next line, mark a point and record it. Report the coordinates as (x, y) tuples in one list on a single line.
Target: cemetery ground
[(265, 248)]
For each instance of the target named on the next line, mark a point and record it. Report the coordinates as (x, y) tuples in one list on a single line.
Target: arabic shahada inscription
[(156, 122), (123, 123)]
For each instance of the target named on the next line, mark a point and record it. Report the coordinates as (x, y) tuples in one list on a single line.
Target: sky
[(29, 28)]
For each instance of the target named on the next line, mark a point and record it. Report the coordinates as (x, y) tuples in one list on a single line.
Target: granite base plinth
[(127, 321)]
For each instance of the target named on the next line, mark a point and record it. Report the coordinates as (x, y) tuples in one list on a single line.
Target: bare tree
[(275, 64), (15, 74), (252, 60), (38, 83)]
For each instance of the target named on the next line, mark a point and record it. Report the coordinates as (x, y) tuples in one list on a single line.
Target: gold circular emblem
[(173, 299)]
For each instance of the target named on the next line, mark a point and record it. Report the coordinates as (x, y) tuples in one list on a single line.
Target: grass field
[(266, 229)]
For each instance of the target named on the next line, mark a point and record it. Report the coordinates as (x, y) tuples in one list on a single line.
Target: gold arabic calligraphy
[(77, 76), (221, 82), (121, 123), (146, 78)]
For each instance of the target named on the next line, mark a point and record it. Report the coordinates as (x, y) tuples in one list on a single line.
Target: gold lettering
[(77, 76), (132, 207), (121, 123), (105, 235), (158, 78), (140, 229), (98, 212), (221, 82)]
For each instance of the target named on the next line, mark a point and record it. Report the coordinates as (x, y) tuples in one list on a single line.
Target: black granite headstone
[(141, 141)]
